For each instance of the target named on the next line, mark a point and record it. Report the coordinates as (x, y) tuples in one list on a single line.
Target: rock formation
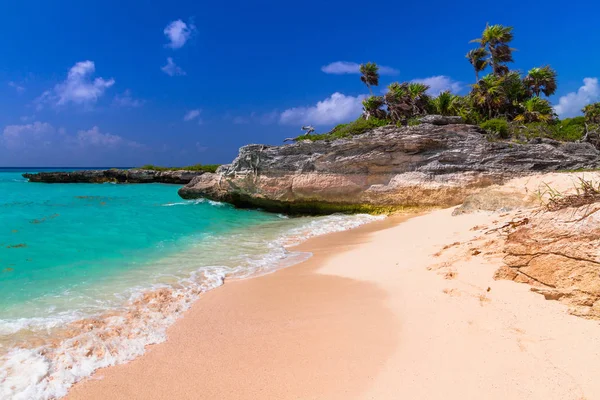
[(115, 175), (381, 170), (557, 252)]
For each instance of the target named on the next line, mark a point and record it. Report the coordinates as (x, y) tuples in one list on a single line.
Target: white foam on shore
[(194, 202), (118, 336)]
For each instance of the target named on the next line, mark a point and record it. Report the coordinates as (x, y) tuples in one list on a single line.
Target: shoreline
[(71, 352), (303, 274), (330, 328)]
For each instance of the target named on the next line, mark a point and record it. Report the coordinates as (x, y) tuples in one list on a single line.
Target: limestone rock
[(386, 168), (441, 120), (115, 175), (559, 252)]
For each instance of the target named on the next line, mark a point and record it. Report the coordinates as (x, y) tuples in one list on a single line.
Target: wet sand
[(367, 318)]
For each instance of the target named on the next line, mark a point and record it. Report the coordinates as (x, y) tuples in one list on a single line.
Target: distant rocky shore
[(432, 164), (180, 177)]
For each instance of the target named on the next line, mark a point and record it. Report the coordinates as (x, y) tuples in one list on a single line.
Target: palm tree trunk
[(370, 90)]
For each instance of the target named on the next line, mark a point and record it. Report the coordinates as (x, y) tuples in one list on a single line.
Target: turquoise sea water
[(59, 238), (75, 251)]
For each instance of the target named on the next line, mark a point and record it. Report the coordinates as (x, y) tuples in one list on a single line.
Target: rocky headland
[(180, 177), (436, 163)]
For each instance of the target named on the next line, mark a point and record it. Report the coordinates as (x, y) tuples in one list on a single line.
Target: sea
[(92, 273)]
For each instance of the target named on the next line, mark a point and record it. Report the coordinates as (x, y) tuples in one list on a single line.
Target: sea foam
[(118, 335)]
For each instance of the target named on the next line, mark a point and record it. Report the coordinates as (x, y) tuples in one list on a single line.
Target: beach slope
[(391, 310)]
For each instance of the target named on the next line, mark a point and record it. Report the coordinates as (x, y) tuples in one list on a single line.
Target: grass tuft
[(197, 167), (357, 127)]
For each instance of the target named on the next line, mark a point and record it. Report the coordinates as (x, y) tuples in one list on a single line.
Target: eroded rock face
[(559, 253), (115, 175), (440, 120), (386, 168)]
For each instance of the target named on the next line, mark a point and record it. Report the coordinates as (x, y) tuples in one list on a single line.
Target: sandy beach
[(402, 308)]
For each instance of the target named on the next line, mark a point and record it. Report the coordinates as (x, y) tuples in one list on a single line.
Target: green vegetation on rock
[(197, 167), (357, 127), (497, 126)]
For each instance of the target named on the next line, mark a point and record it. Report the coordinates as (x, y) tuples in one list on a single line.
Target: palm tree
[(370, 75), (406, 100), (541, 80), (592, 113), (477, 58), (515, 92), (398, 101), (419, 97), (495, 39), (444, 103), (372, 107), (536, 109), (489, 94)]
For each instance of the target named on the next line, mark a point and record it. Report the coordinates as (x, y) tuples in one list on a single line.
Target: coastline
[(234, 341), (330, 328), (50, 361)]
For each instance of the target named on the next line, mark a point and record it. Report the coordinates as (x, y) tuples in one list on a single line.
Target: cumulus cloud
[(42, 135), (439, 84), (126, 100), (335, 109), (571, 104), (346, 67), (93, 137), (178, 32), (17, 87), (24, 136), (78, 88), (192, 114), (172, 69)]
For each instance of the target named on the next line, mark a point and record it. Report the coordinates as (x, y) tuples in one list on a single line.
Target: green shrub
[(570, 129), (357, 127), (497, 126), (592, 113), (414, 121), (532, 130), (197, 167)]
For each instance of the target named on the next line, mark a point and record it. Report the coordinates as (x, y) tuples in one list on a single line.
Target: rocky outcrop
[(115, 175), (557, 252), (384, 169), (440, 119)]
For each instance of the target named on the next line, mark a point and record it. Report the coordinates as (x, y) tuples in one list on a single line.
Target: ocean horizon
[(125, 259)]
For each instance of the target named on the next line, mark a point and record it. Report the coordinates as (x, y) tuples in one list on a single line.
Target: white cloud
[(439, 84), (41, 135), (126, 100), (17, 87), (24, 136), (78, 88), (192, 114), (93, 137), (345, 67), (333, 110), (172, 69), (178, 32), (571, 104)]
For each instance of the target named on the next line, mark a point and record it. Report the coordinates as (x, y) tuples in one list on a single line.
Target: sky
[(126, 83)]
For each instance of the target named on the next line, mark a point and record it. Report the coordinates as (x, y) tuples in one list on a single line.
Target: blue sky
[(173, 83)]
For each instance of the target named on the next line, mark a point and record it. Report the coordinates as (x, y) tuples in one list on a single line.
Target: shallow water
[(91, 273)]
